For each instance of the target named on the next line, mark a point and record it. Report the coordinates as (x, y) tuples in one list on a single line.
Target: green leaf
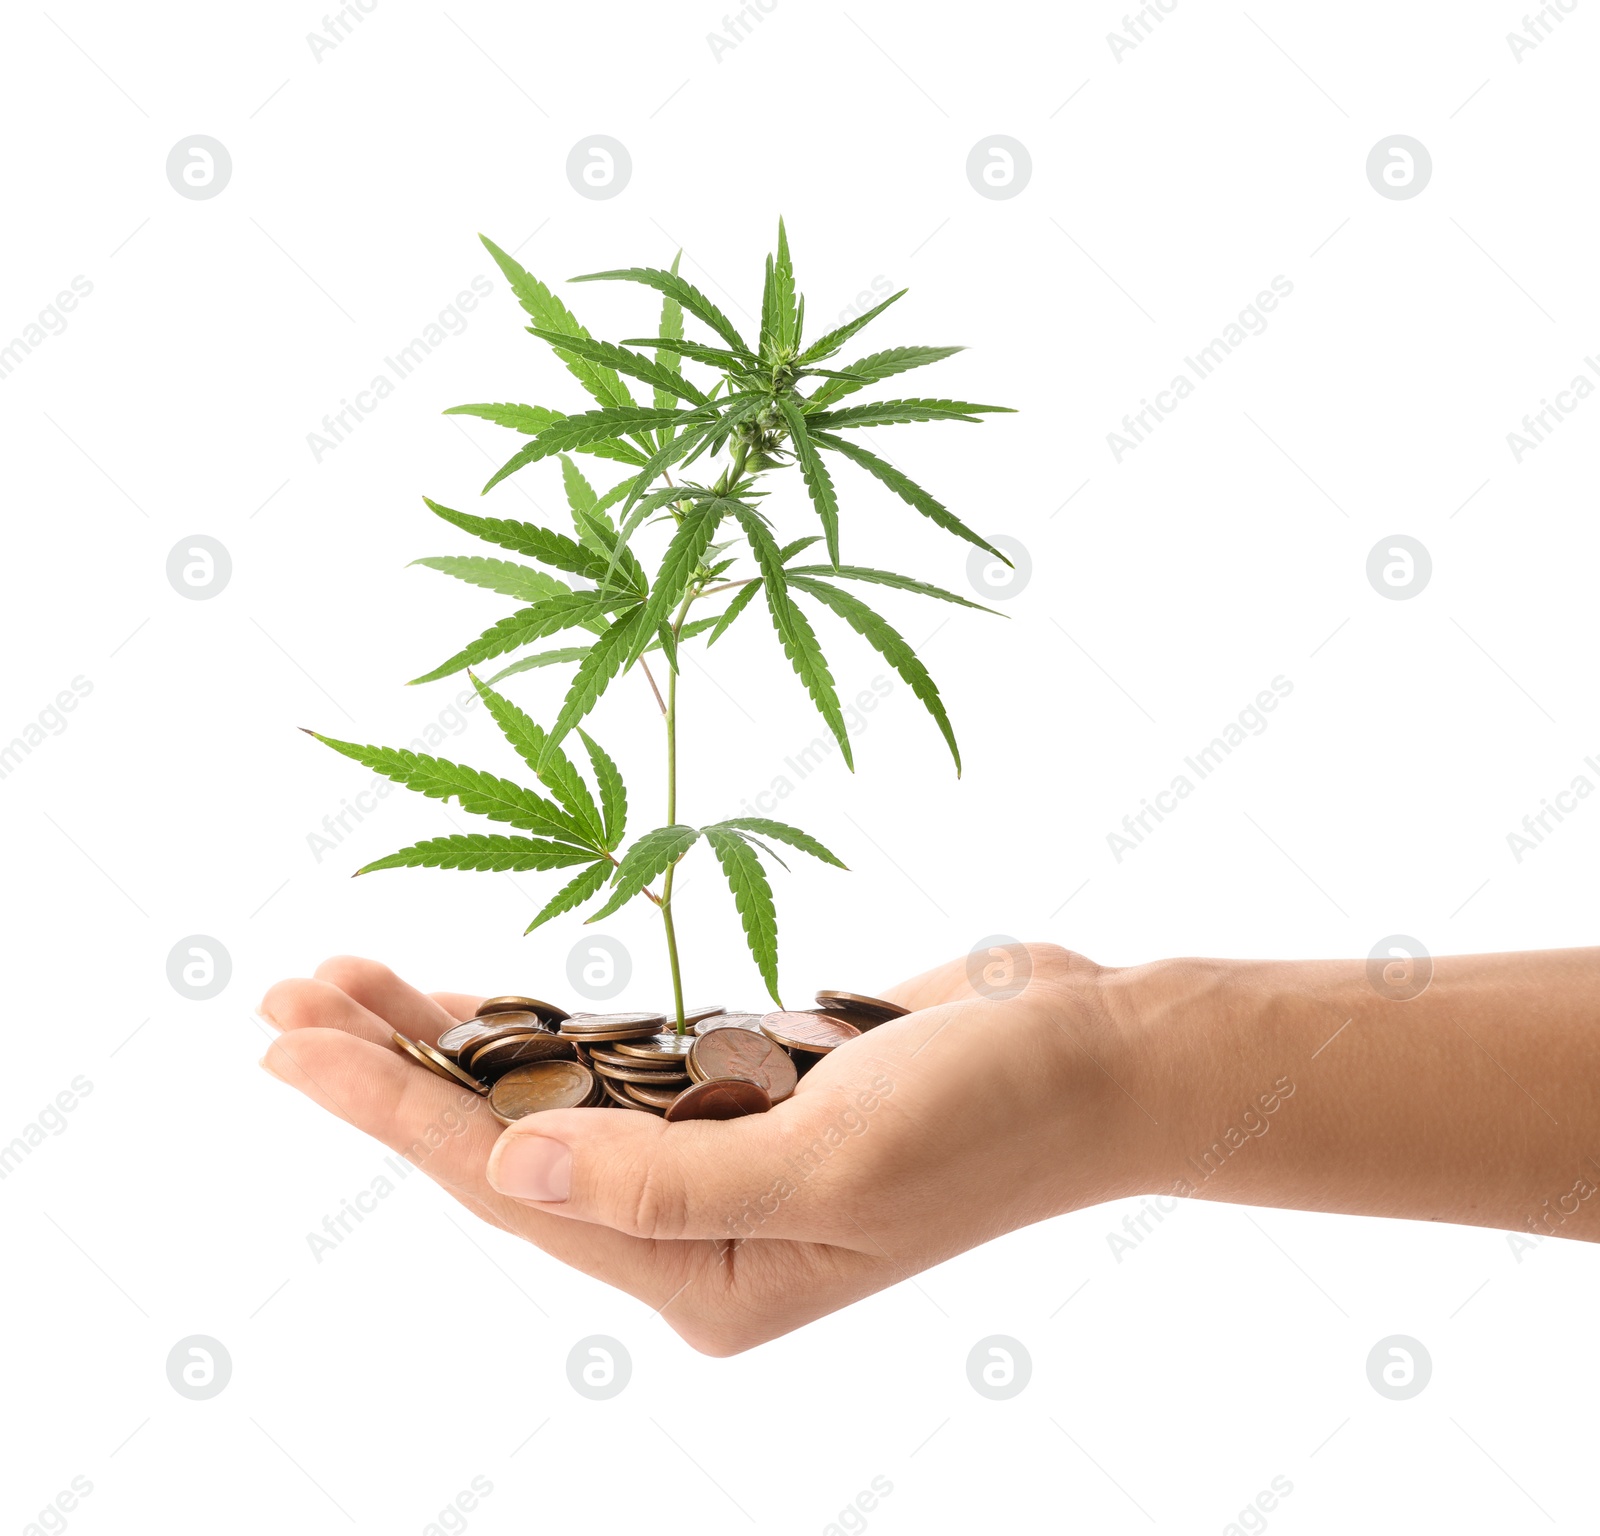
[(550, 314), (789, 551), (531, 419), (535, 622), (605, 658), (815, 473), (876, 366), (481, 850), (542, 659), (526, 539), (594, 426), (752, 895), (891, 645), (684, 292), (671, 329), (649, 856), (503, 576), (887, 579), (550, 765), (905, 488), (885, 413), (580, 496), (682, 559), (573, 894), (481, 794), (780, 832), (783, 273), (741, 601), (714, 357), (665, 380), (613, 792), (534, 419), (826, 346), (795, 631)]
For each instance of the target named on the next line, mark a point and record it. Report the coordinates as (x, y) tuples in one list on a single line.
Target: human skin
[(1306, 1084)]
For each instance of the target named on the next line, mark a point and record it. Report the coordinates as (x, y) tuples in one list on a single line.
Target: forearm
[(1301, 1084)]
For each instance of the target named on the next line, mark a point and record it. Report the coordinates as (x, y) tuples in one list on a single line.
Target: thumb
[(644, 1176)]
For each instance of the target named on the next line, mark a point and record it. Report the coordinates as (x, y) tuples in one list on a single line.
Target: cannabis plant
[(756, 410)]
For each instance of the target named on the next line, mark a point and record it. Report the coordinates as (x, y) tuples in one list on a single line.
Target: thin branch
[(660, 704), (616, 863)]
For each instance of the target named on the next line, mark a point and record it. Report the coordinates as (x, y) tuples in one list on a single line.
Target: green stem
[(730, 477)]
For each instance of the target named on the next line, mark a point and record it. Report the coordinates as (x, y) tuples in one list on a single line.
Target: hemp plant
[(759, 409)]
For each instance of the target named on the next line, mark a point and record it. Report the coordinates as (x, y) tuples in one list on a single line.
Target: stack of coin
[(525, 1056)]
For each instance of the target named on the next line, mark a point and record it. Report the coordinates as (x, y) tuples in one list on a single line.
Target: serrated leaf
[(526, 539), (876, 366), (531, 419), (906, 489), (635, 364), (610, 421), (605, 658), (752, 895), (887, 579), (580, 494), (826, 346), (482, 851), (789, 551), (783, 288), (549, 313), (649, 856), (781, 832), (684, 292), (541, 659), (550, 765), (671, 329), (479, 793), (886, 413), (573, 894), (815, 473), (503, 576), (682, 558), (714, 357), (613, 792), (535, 622), (795, 631), (741, 600), (891, 645)]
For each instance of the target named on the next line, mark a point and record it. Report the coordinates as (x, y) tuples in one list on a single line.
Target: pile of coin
[(525, 1056)]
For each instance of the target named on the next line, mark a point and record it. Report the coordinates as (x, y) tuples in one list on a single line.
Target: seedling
[(753, 412)]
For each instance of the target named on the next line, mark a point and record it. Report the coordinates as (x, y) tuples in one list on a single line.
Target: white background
[(1168, 187)]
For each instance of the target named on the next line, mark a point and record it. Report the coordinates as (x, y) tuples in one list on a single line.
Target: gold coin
[(437, 1062), (816, 1032), (541, 1086), (852, 1003), (510, 1004), (720, 1098)]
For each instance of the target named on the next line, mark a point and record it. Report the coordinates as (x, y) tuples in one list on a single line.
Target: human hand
[(967, 1118)]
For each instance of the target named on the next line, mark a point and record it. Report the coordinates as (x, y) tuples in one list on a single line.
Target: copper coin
[(499, 1026), (656, 1098), (603, 1036), (742, 1053), (720, 1098), (506, 1051), (728, 1021), (583, 1023), (667, 1048), (637, 1074), (437, 1062), (543, 1085), (819, 1032), (613, 1094), (692, 1016), (459, 1036), (612, 1056), (546, 1011), (857, 1002)]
